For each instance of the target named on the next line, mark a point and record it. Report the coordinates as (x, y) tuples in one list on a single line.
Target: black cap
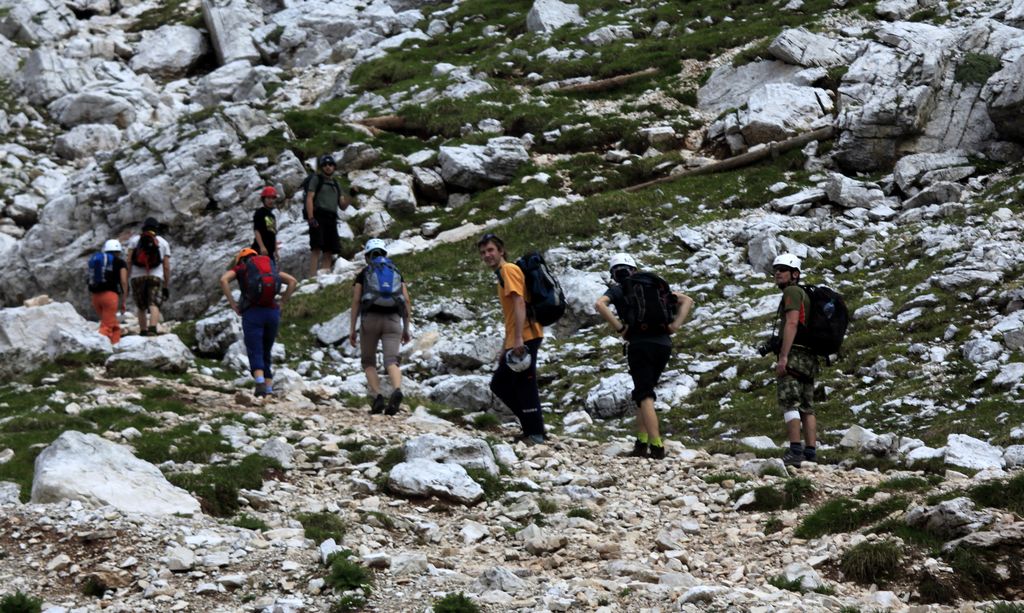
[(327, 159), (150, 224)]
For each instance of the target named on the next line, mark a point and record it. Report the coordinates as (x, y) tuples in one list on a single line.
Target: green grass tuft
[(322, 526), (217, 487), (583, 512), (491, 484), (976, 68), (20, 603), (249, 522), (345, 575), (868, 562), (455, 603), (845, 515), (1007, 495)]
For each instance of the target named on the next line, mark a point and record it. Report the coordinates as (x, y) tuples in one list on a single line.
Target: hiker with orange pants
[(108, 284)]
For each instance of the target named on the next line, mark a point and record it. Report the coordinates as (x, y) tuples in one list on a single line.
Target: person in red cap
[(264, 224)]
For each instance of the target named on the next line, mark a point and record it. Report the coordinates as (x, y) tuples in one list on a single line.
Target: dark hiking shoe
[(657, 453), (793, 457), (810, 455), (534, 439), (261, 390), (153, 332), (394, 402), (639, 450), (378, 405)]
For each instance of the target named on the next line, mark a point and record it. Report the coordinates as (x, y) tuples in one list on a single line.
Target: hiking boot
[(378, 405), (534, 439), (153, 332), (793, 457), (394, 402), (261, 390), (639, 450), (811, 455), (657, 453)]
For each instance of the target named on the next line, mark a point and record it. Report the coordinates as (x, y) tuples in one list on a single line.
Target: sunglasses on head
[(490, 237)]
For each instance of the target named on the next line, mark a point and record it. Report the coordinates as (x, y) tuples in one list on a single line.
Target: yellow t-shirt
[(515, 284)]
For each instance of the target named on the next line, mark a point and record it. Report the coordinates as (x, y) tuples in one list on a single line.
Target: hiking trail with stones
[(880, 142)]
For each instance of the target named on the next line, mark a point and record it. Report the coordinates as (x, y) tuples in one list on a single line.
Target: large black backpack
[(545, 301), (825, 325), (650, 304)]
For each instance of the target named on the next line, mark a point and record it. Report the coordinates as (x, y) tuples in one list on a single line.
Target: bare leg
[(647, 418), (810, 430), (314, 261), (154, 316), (327, 262), (793, 430), (372, 380), (141, 314), (395, 376)]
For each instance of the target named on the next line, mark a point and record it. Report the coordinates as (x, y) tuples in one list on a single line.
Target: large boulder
[(469, 453), (950, 518), (216, 333), (429, 478), (467, 352), (164, 353), (582, 289), (95, 471), (611, 397), (92, 107), (169, 51), (468, 392), (803, 48), (475, 167), (546, 16), (32, 335), (86, 140), (1006, 99), (850, 193), (37, 21), (231, 23), (729, 87), (969, 452), (777, 111), (46, 76), (910, 169)]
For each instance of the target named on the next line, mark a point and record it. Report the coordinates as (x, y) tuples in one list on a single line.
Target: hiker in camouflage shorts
[(796, 367)]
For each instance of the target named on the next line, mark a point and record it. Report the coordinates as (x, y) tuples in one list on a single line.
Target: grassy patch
[(722, 477), (217, 486), (20, 603), (322, 526), (1007, 495), (845, 515), (581, 512), (249, 522), (345, 575), (976, 68), (770, 498), (492, 485), (159, 399), (171, 11), (872, 562), (179, 444), (455, 603)]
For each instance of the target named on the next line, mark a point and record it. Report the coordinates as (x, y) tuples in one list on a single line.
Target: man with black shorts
[(647, 353), (325, 194)]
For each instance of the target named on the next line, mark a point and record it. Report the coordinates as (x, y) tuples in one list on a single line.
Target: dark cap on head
[(150, 224)]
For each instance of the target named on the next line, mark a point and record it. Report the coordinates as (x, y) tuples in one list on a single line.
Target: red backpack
[(259, 281), (146, 253)]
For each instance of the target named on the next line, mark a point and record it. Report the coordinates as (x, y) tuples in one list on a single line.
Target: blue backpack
[(101, 267), (383, 285)]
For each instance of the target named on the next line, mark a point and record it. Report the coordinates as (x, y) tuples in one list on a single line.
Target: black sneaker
[(261, 390), (810, 455), (793, 457), (639, 449), (394, 402), (378, 405), (657, 453)]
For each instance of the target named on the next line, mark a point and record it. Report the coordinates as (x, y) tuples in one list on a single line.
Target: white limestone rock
[(729, 87), (475, 167), (470, 453), (86, 140), (279, 449), (231, 23), (26, 333), (777, 111), (37, 21), (97, 472), (217, 332), (608, 34), (165, 353), (803, 48), (467, 352), (169, 51), (949, 518), (428, 478), (611, 397), (91, 107), (546, 16), (468, 392), (969, 452), (850, 193), (1006, 99)]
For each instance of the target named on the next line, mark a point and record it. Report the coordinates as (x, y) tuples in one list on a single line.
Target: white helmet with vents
[(788, 260)]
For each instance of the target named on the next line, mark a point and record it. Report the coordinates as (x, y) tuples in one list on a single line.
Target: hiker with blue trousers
[(259, 282), (648, 335), (380, 301), (797, 365), (515, 380), (108, 284)]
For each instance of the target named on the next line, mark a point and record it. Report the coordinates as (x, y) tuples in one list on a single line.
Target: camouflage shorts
[(147, 291), (795, 391)]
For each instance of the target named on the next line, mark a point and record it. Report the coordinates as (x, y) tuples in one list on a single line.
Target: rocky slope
[(527, 118)]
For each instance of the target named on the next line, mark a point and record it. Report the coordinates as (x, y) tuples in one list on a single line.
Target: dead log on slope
[(605, 84)]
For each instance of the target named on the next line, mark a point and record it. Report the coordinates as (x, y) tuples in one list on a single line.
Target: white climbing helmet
[(376, 244), (518, 363), (788, 260), (112, 246), (621, 259)]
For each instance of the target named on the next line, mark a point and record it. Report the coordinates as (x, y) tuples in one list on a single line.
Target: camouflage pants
[(795, 390)]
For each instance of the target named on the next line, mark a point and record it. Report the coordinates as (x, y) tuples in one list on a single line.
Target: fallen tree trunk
[(744, 159), (384, 122), (605, 84)]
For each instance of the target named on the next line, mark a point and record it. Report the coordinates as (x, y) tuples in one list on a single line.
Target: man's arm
[(788, 336), (685, 305), (290, 284), (259, 237), (309, 200), (225, 288), (605, 311), (357, 296), (167, 271), (519, 311), (124, 288), (406, 316)]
